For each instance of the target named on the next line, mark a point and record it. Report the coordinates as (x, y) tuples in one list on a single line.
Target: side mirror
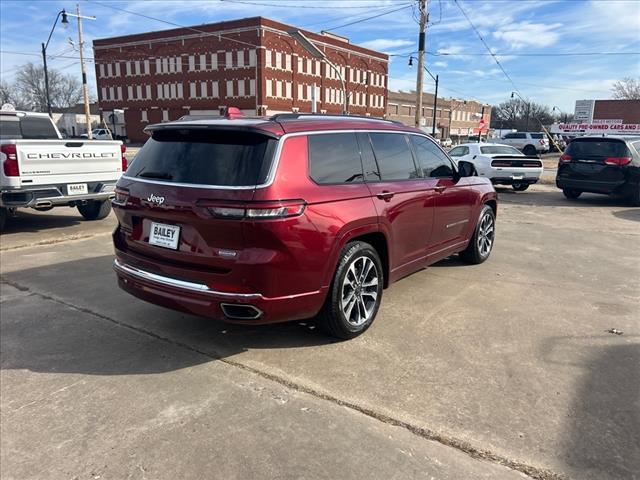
[(466, 169)]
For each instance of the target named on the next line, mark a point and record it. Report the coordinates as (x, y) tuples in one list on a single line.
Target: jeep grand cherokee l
[(608, 165), (260, 220)]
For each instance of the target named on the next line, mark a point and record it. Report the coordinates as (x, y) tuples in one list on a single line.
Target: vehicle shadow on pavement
[(557, 199), (105, 331), (632, 214), (33, 222), (603, 422)]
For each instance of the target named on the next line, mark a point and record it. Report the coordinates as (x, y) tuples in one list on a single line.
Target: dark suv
[(260, 220), (608, 165)]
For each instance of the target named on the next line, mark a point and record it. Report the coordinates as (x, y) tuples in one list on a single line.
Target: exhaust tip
[(236, 311)]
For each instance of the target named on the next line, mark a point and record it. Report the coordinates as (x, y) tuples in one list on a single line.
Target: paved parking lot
[(490, 371)]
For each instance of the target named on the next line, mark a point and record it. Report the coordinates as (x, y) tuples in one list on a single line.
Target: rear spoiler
[(186, 125), (515, 157)]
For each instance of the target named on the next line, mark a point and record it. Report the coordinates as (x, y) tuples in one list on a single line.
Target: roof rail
[(311, 116)]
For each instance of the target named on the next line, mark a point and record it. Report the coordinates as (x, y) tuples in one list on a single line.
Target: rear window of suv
[(537, 135), (205, 157), (597, 147)]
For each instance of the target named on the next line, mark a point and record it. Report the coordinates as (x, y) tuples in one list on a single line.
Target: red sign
[(481, 123)]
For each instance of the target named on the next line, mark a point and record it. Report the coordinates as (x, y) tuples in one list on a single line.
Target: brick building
[(252, 64), (607, 111), (455, 118)]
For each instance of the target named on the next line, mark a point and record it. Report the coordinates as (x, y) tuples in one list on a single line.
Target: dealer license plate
[(517, 177), (163, 235), (77, 189)]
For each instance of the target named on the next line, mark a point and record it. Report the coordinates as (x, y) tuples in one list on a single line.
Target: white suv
[(530, 143)]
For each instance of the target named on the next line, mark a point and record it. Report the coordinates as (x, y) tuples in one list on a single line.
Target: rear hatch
[(182, 200), (540, 140), (596, 160)]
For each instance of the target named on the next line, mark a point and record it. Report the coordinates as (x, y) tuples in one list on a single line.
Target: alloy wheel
[(486, 232), (359, 292)]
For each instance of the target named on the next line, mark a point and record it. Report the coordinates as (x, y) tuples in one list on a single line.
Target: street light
[(317, 53), (560, 112), (65, 24), (436, 79), (526, 128)]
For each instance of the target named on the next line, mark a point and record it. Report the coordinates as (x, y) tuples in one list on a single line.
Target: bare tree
[(64, 90), (514, 113), (626, 89)]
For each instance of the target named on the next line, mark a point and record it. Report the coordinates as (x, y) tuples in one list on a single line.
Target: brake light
[(123, 149), (255, 211), (619, 161), (565, 158), (122, 195), (542, 142), (10, 164)]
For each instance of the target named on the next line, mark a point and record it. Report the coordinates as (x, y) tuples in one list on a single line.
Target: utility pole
[(46, 79), (435, 105), (481, 123), (85, 90), (420, 73)]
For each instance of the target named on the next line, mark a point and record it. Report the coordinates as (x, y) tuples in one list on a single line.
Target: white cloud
[(384, 44), (451, 50), (523, 34), (440, 64)]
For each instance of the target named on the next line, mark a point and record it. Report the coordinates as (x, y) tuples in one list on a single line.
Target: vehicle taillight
[(255, 211), (565, 158), (542, 141), (123, 149), (620, 161), (122, 195), (10, 164)]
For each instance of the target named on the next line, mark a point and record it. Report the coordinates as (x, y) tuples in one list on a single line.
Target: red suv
[(261, 220)]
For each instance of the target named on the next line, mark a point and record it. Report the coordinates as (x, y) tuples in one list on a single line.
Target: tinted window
[(509, 135), (204, 157), (433, 161), (30, 128), (597, 147), (10, 127), (334, 158), (369, 165), (537, 135), (519, 135), (394, 156), (500, 150), (459, 151)]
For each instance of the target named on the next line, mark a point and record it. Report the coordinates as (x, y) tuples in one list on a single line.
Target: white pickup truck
[(40, 170)]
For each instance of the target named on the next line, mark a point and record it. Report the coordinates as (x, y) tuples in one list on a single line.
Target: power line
[(343, 17), (486, 45), (367, 18), (298, 5), (212, 34)]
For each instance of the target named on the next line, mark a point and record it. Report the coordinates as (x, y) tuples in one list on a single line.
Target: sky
[(513, 30)]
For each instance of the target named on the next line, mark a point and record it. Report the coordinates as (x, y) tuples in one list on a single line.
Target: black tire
[(634, 198), (477, 252), (332, 318), (571, 194), (520, 187), (95, 210), (530, 150), (4, 213)]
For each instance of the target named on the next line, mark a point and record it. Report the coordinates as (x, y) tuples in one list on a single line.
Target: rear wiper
[(159, 175)]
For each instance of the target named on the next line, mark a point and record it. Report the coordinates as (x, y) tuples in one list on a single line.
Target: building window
[(214, 61), (278, 89), (165, 65), (103, 92), (180, 95), (101, 68), (252, 87), (139, 92), (203, 62), (203, 89), (143, 117), (117, 69), (148, 88), (111, 93), (167, 91), (228, 59), (287, 62), (127, 69), (147, 70), (241, 88), (268, 88), (130, 93), (165, 115), (229, 88), (109, 70), (300, 97), (192, 90), (158, 66), (268, 58), (278, 60), (215, 93), (178, 64), (172, 91), (288, 90), (192, 63), (252, 58), (160, 96), (240, 54)]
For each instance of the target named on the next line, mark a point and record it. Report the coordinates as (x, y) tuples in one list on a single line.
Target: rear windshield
[(537, 135), (500, 150), (205, 157), (28, 128), (597, 147)]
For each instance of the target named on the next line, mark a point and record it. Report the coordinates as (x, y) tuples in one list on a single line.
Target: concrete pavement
[(507, 361)]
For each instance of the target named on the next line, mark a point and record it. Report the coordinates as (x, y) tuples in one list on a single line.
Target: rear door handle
[(439, 189), (385, 195)]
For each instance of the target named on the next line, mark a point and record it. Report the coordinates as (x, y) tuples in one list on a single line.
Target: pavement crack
[(473, 451), (53, 241)]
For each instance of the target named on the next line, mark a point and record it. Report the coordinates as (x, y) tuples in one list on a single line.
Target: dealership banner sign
[(590, 128)]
